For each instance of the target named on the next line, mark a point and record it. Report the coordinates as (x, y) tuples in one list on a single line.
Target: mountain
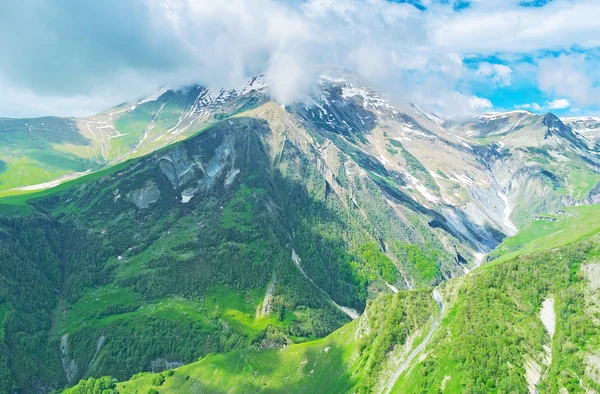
[(257, 232), (470, 153), (217, 221), (524, 324), (541, 163), (588, 127), (39, 153)]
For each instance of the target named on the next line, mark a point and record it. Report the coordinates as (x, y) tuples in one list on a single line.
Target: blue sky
[(77, 58), (523, 90), (525, 81)]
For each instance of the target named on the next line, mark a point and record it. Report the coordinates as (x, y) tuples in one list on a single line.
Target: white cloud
[(559, 104), (414, 55), (533, 107), (478, 103), (287, 78), (569, 76), (218, 43), (500, 74), (491, 26)]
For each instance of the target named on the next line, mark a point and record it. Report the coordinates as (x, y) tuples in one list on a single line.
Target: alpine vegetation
[(299, 197)]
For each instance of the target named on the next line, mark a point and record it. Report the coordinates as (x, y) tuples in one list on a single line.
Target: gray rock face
[(194, 170), (68, 365), (178, 166), (160, 364), (144, 197)]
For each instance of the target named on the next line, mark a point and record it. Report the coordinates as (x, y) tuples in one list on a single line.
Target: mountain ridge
[(262, 226)]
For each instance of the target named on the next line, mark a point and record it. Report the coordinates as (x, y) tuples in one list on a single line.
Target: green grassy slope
[(158, 273), (155, 280), (141, 126), (319, 366), (550, 231), (38, 153), (491, 329), (494, 329), (34, 151), (238, 240), (339, 363), (499, 305)]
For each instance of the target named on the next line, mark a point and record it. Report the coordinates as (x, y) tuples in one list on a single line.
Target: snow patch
[(533, 373), (368, 98), (444, 381), (430, 114), (348, 311), (548, 318), (422, 189), (257, 84), (296, 260), (478, 260), (435, 175), (533, 370), (154, 96), (498, 115)]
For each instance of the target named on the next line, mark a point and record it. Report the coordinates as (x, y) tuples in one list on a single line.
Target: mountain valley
[(211, 240)]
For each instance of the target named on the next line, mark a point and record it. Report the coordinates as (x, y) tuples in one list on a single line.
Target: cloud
[(73, 57), (559, 104), (23, 102), (570, 76), (492, 26), (533, 107), (478, 103), (287, 78), (126, 48), (499, 73)]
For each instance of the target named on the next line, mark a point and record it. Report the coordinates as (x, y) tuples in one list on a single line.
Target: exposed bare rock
[(69, 365), (145, 196)]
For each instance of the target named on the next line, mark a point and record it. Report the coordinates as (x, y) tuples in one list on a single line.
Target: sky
[(76, 58)]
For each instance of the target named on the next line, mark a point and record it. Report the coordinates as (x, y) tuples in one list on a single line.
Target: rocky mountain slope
[(214, 221), (540, 162), (482, 173), (257, 232), (36, 154), (586, 126)]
